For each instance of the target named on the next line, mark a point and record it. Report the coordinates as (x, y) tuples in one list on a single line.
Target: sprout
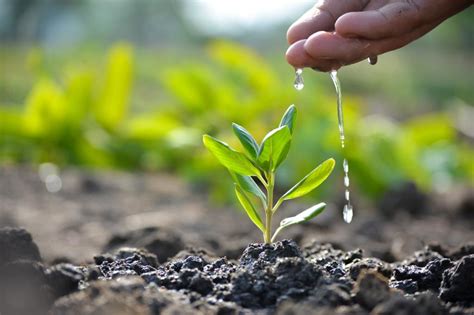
[(260, 162)]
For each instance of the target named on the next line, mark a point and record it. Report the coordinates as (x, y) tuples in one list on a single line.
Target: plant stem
[(268, 210), (262, 180), (277, 205)]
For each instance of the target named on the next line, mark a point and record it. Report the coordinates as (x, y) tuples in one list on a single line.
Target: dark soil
[(279, 278), (181, 257)]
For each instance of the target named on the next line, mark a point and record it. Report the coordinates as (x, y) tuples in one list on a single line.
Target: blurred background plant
[(134, 84)]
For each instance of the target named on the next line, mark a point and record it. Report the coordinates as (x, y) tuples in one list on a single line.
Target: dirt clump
[(17, 244)]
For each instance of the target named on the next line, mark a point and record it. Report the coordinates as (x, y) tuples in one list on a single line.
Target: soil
[(116, 243)]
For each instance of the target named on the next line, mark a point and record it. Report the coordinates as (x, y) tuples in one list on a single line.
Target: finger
[(299, 58), (377, 47), (391, 20), (332, 46), (321, 17), (325, 45)]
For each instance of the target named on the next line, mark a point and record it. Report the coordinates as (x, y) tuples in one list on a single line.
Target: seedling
[(260, 162)]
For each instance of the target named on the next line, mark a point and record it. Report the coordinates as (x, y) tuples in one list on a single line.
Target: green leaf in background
[(289, 118), (248, 184), (304, 216), (248, 142), (112, 105), (310, 181), (249, 208), (45, 110), (274, 148), (233, 160)]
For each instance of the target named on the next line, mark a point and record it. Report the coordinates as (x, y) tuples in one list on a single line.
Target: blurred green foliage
[(147, 111)]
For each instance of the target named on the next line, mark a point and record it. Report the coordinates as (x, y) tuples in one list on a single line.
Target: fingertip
[(312, 21), (297, 56), (295, 33), (315, 42), (347, 24), (324, 46), (290, 34)]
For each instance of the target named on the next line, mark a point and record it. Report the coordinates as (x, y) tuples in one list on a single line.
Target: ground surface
[(376, 265)]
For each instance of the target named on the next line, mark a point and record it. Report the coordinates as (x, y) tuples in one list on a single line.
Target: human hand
[(337, 33)]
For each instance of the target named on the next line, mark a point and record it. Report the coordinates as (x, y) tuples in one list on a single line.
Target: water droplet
[(347, 195), (345, 165), (299, 83), (346, 180), (372, 60), (347, 213)]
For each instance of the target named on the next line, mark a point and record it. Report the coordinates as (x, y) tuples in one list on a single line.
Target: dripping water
[(347, 212), (372, 60), (340, 114), (299, 83)]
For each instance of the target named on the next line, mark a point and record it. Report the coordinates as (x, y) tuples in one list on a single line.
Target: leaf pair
[(275, 145)]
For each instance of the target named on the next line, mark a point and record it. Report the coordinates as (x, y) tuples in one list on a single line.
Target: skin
[(335, 33)]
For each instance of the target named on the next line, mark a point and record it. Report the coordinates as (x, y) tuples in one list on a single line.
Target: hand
[(337, 33)]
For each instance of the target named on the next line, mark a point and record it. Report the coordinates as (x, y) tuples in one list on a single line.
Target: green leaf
[(233, 160), (274, 148), (248, 142), (249, 208), (310, 181), (248, 184), (112, 105), (289, 118), (304, 216)]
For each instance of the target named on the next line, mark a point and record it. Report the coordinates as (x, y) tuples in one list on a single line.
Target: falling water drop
[(347, 213), (372, 60), (346, 180), (345, 166), (299, 83)]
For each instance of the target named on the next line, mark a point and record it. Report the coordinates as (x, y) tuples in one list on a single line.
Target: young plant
[(260, 162)]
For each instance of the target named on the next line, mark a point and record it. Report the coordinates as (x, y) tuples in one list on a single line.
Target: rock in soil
[(66, 278), (16, 244), (412, 278), (458, 281)]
